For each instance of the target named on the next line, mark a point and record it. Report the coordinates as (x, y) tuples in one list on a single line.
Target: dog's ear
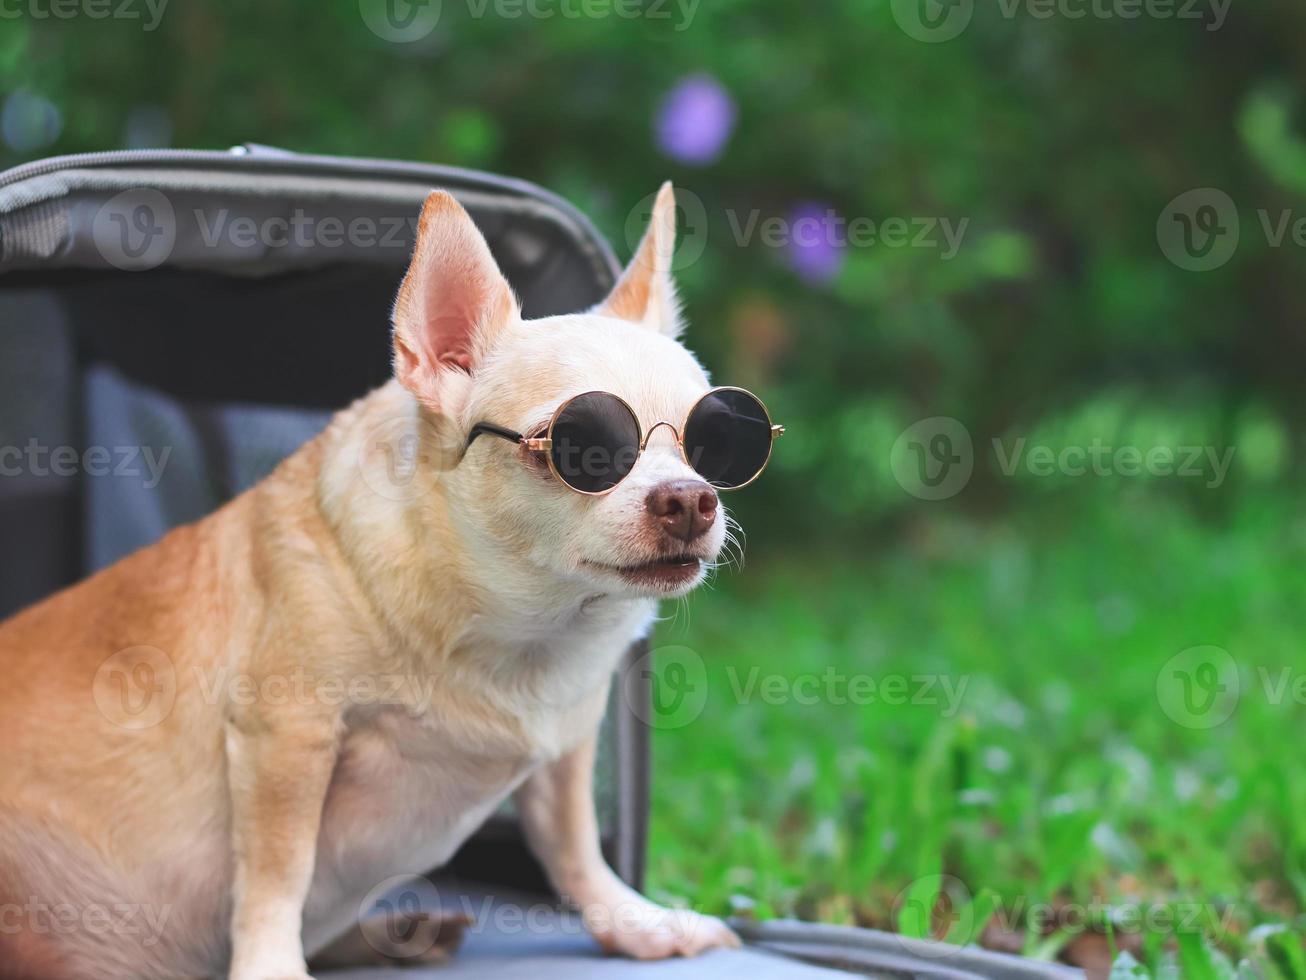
[(646, 293), (451, 305)]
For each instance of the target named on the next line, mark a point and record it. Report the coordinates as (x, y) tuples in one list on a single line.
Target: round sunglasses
[(594, 439)]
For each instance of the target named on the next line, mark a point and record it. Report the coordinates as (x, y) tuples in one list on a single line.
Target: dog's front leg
[(279, 769), (557, 809)]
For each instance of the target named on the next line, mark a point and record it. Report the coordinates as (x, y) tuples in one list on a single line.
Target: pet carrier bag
[(217, 307)]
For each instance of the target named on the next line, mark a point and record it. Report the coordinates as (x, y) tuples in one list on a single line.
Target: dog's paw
[(645, 931)]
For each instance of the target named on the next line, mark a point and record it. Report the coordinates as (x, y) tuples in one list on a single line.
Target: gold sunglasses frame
[(544, 444)]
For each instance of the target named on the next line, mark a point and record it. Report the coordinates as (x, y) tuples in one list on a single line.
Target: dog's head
[(462, 348)]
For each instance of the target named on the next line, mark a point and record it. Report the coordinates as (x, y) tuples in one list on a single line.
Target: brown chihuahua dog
[(233, 825)]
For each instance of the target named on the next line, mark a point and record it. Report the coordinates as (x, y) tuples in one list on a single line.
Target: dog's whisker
[(733, 548), (736, 537)]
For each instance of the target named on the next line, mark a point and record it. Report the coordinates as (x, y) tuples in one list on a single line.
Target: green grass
[(1061, 792)]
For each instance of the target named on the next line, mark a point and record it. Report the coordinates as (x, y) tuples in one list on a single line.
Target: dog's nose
[(683, 508)]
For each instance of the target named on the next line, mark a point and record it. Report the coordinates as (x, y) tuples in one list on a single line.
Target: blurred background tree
[(1057, 141)]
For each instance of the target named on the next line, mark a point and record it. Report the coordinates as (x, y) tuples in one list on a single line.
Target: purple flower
[(695, 120), (817, 237)]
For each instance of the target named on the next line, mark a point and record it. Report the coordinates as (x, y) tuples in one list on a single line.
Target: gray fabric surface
[(546, 961), (58, 220), (895, 955), (519, 938), (563, 958), (174, 463), (39, 388), (263, 171)]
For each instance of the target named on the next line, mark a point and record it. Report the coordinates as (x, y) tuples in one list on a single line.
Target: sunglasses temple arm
[(488, 428)]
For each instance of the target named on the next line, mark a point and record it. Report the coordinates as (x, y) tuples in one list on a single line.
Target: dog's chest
[(406, 792), (414, 781)]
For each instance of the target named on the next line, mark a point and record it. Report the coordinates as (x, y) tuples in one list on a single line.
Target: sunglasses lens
[(728, 438), (595, 442)]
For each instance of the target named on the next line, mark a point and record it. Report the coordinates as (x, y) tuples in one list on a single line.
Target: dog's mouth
[(668, 572)]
